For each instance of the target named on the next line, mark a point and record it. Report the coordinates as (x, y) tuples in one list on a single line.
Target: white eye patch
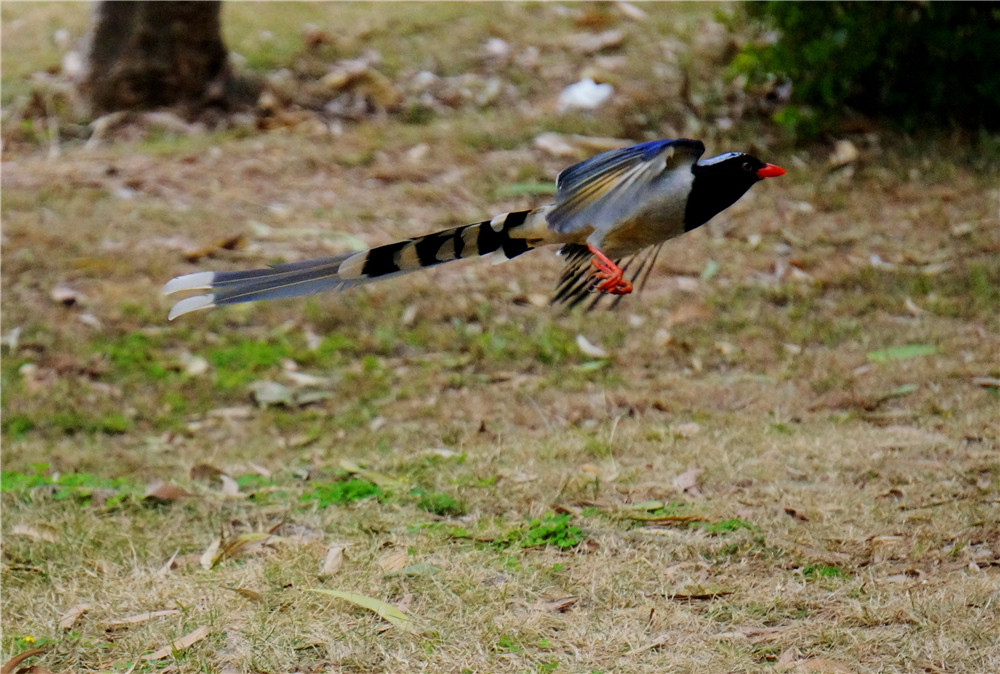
[(721, 158)]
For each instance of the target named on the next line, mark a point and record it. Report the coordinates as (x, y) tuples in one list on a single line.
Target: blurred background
[(750, 461)]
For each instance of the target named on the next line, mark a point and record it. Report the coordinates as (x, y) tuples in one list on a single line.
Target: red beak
[(770, 171)]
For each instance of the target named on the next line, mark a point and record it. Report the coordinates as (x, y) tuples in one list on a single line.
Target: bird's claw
[(609, 276)]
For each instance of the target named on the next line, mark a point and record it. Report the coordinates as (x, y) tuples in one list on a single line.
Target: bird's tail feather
[(499, 235)]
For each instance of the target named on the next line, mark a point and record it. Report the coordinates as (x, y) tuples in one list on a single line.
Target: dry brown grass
[(845, 516)]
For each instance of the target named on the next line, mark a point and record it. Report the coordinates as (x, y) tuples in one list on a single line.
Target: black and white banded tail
[(499, 235)]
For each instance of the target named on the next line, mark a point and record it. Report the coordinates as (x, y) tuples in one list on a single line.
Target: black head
[(720, 181)]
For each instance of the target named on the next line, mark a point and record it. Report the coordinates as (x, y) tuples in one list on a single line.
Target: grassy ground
[(787, 461)]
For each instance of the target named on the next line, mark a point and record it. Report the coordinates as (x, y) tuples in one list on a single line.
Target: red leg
[(610, 275)]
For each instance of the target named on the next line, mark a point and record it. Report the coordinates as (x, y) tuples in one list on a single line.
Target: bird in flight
[(612, 213)]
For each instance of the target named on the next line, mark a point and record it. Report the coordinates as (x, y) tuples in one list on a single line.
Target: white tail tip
[(197, 281), (189, 304)]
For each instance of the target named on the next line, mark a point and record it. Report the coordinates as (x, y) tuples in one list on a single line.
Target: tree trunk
[(143, 55)]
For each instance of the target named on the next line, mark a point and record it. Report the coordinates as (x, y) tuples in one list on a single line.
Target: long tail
[(505, 234)]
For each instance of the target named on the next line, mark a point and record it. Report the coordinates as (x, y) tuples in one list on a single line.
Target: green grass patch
[(551, 529), (725, 526), (133, 354), (16, 426), (241, 363), (341, 493), (441, 504), (821, 571), (77, 486)]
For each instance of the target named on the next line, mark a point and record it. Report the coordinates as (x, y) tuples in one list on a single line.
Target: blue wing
[(602, 190)]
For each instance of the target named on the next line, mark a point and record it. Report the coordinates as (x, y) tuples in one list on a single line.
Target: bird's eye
[(747, 167)]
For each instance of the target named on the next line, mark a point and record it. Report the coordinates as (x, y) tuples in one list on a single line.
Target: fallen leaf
[(393, 561), (193, 365), (631, 11), (260, 470), (204, 471), (208, 557), (267, 393), (658, 642), (138, 619), (65, 295), (170, 565), (687, 430), (181, 644), (591, 43), (243, 544), (584, 95), (333, 561), (590, 349), (792, 512), (41, 532), (844, 152), (9, 666), (69, 618), (229, 486), (404, 603), (788, 656), (688, 479), (650, 517), (248, 594), (370, 475), (755, 635), (386, 611), (228, 243), (556, 605), (697, 595), (162, 492)]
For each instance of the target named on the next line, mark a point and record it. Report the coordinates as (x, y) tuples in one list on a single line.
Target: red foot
[(609, 274)]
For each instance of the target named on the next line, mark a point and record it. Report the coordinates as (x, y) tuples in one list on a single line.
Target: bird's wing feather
[(603, 190)]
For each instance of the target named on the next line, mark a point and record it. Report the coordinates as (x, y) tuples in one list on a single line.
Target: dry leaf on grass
[(207, 559), (375, 478), (247, 594), (386, 611), (687, 430), (556, 605), (229, 243), (242, 545), (69, 618), (9, 666), (696, 594), (657, 642), (792, 512), (138, 619), (40, 532), (688, 479), (333, 561), (204, 472), (181, 644), (590, 349), (755, 635), (393, 561), (229, 486), (162, 492)]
